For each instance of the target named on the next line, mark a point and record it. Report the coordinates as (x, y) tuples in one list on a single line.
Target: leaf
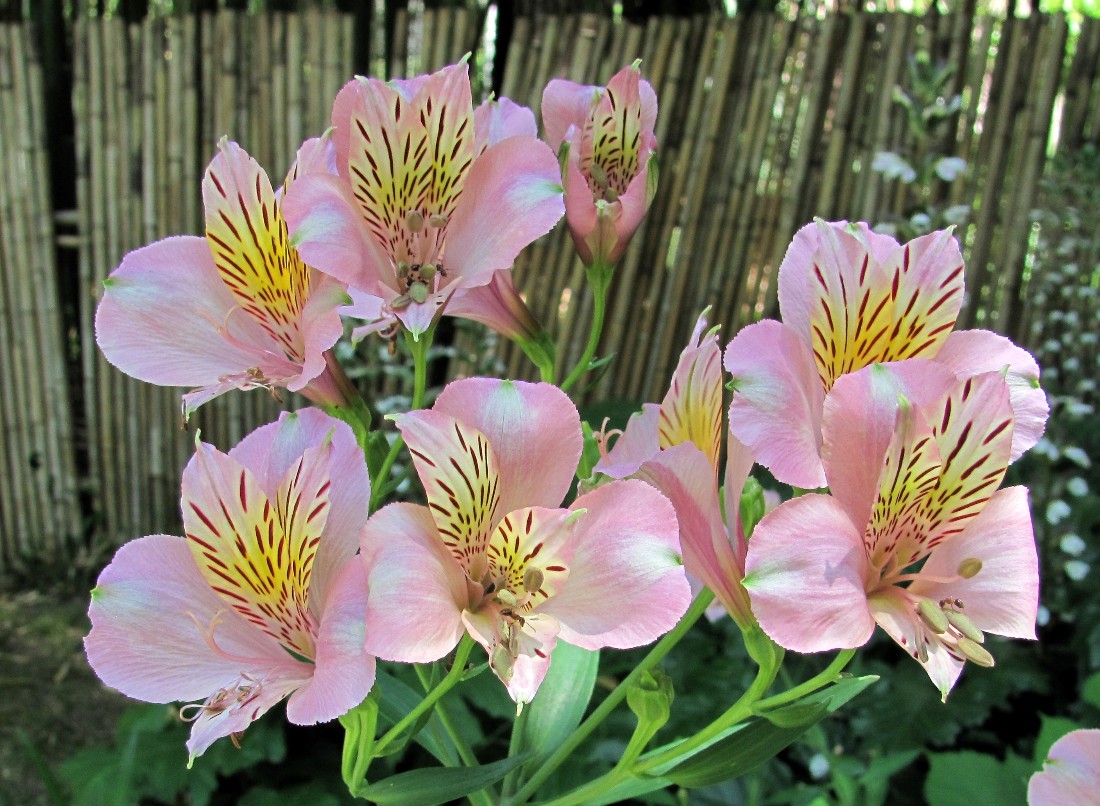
[(436, 785), (746, 746), (1090, 692), (1053, 728), (396, 700), (975, 779), (561, 701)]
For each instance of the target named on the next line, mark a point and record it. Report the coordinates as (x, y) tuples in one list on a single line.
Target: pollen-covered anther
[(414, 221), (933, 616), (532, 580), (402, 270), (975, 652), (418, 291), (969, 568), (437, 221), (965, 626)]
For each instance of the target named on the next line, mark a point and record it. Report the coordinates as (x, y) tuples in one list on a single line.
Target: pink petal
[(499, 119), (462, 481), (511, 196), (165, 313), (328, 230), (534, 430), (565, 104), (860, 416), (739, 462), (343, 671), (496, 305), (523, 673), (894, 612), (416, 589), (1003, 597), (972, 352), (149, 611), (777, 400), (683, 473), (626, 583), (1071, 772), (692, 408), (270, 452), (317, 155), (591, 226), (212, 725), (805, 572), (637, 443)]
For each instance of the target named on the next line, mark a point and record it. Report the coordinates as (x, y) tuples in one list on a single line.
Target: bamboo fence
[(765, 122)]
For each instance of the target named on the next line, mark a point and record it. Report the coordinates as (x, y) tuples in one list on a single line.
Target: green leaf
[(975, 779), (396, 700), (1090, 693), (561, 701), (746, 746), (436, 785)]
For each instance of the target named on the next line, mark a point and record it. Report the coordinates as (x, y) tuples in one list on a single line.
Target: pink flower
[(1071, 773), (607, 134), (850, 298), (237, 309), (493, 552), (913, 457), (262, 600), (432, 195), (675, 446)]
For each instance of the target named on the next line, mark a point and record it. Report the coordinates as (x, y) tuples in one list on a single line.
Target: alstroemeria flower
[(432, 195), (915, 536), (609, 173), (849, 298), (1071, 772), (493, 552), (263, 599), (675, 446), (236, 309)]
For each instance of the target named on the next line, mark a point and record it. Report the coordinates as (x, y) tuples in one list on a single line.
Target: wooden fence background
[(765, 122)]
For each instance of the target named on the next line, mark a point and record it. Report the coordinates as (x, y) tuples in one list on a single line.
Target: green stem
[(827, 675), (449, 681), (599, 278), (698, 607), (512, 778)]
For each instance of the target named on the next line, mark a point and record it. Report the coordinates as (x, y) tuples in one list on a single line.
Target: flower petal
[(1003, 597), (165, 315), (257, 553), (416, 591), (777, 399), (461, 478), (626, 582), (565, 104), (805, 572), (272, 450), (511, 196), (149, 611), (972, 352), (692, 409), (343, 671), (894, 612), (523, 670), (498, 119), (534, 430), (496, 305), (637, 443), (1071, 772)]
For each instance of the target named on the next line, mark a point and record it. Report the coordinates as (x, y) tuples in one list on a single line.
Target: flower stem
[(698, 607), (458, 668), (599, 278)]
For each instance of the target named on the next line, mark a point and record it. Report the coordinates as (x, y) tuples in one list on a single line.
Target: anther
[(599, 175), (933, 616), (964, 625), (975, 652), (438, 221), (969, 568), (427, 272), (418, 292), (532, 580), (402, 270), (414, 221), (400, 302)]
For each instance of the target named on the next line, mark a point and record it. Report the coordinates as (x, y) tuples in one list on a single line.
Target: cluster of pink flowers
[(415, 205)]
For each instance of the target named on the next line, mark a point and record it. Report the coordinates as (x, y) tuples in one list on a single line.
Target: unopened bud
[(964, 625), (414, 221), (933, 616), (969, 568), (975, 652)]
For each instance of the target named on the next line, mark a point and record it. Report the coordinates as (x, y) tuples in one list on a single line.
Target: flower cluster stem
[(599, 278)]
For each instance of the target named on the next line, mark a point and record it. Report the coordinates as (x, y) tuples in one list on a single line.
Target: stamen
[(438, 221), (933, 616), (969, 568), (418, 292), (414, 221), (402, 301), (532, 580), (975, 652), (965, 626)]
